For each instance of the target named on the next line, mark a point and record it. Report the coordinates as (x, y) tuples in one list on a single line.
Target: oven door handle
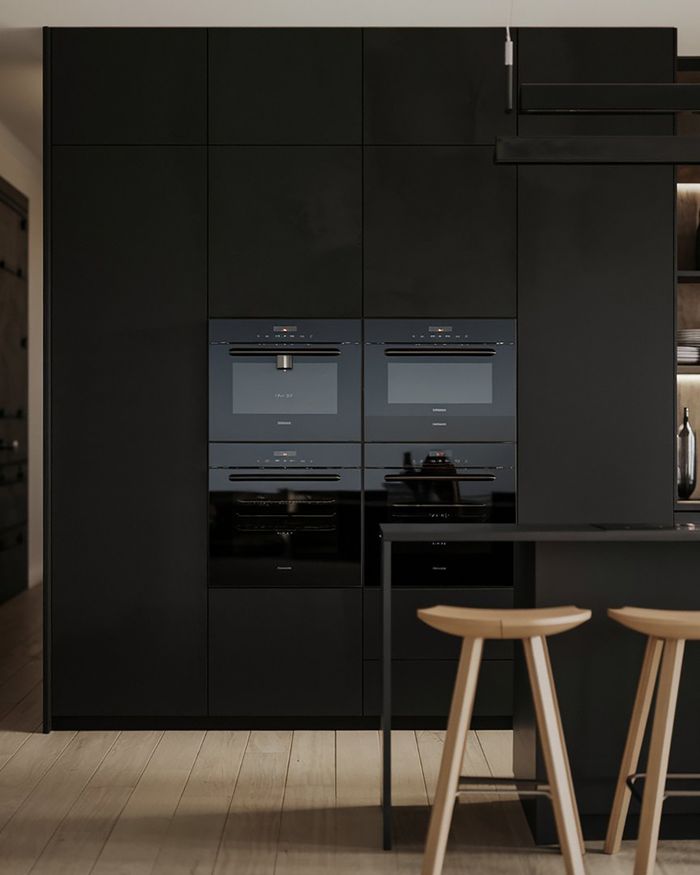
[(456, 351), (269, 352), (440, 478), (285, 478)]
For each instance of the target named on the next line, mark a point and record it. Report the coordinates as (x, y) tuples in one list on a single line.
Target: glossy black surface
[(129, 437), (595, 54), (285, 652), (449, 380), (285, 231), (439, 232), (438, 484), (290, 527), (277, 85), (131, 85), (294, 380), (596, 345), (435, 85)]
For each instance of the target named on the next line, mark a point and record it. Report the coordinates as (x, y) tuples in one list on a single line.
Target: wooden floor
[(250, 803)]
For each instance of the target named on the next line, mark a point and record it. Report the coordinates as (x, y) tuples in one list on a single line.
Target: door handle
[(455, 351), (285, 478), (440, 478), (276, 351)]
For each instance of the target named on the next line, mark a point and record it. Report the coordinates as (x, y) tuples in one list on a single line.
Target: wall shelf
[(688, 369), (688, 276)]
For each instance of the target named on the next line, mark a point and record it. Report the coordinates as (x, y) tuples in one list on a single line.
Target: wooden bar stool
[(474, 625), (667, 632)]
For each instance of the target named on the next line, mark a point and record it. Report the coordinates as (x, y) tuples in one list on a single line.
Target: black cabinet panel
[(439, 232), (128, 85), (129, 430), (595, 344), (435, 85), (596, 54), (413, 639), (423, 688), (285, 652), (285, 85), (285, 231)]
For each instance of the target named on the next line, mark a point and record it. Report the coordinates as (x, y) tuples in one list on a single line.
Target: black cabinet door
[(285, 652), (285, 226), (596, 54), (439, 232), (435, 86), (285, 85), (596, 344), (128, 430), (132, 85)]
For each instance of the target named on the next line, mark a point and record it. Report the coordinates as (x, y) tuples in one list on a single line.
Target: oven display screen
[(308, 387), (439, 383)]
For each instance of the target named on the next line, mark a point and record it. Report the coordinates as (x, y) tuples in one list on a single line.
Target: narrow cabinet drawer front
[(412, 639), (285, 653), (423, 688), (285, 85)]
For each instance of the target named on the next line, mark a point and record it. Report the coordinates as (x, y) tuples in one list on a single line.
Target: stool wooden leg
[(633, 745), (452, 755), (554, 753), (566, 755), (659, 749)]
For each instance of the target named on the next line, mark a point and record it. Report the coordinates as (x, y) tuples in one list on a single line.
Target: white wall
[(22, 168)]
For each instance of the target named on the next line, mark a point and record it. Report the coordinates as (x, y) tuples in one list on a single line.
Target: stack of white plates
[(688, 346)]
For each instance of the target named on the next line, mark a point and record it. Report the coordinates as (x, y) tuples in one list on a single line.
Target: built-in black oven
[(444, 381), (293, 380), (446, 483), (284, 515)]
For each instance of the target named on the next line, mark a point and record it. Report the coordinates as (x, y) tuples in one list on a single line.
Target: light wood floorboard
[(249, 803)]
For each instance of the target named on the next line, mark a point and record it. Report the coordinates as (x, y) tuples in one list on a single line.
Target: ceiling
[(21, 20)]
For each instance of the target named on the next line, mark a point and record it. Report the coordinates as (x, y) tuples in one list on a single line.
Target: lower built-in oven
[(440, 381), (447, 483), (284, 515), (285, 380)]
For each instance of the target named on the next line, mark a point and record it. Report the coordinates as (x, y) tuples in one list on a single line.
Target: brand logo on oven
[(284, 394)]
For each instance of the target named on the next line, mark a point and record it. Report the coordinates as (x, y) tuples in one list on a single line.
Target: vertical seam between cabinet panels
[(206, 351), (47, 501), (362, 372)]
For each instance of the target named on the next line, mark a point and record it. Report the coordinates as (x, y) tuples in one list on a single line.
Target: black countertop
[(513, 532)]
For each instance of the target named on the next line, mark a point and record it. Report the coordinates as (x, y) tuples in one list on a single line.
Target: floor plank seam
[(281, 812), (230, 803)]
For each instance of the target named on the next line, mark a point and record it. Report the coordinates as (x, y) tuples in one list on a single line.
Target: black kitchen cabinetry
[(285, 652), (435, 86), (128, 414), (595, 54), (596, 344), (439, 232), (285, 231), (285, 85), (128, 85)]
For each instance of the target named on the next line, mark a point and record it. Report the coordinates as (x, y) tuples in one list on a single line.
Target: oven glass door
[(288, 392), (284, 529), (460, 393), (458, 496)]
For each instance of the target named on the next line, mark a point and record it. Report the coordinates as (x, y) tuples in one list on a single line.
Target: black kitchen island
[(596, 667)]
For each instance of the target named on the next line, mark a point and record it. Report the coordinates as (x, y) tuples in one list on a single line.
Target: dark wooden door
[(285, 85), (285, 231), (131, 85), (285, 652), (596, 54), (128, 389), (435, 86), (439, 232), (596, 344)]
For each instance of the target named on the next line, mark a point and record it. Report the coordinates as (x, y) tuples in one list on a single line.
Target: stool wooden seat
[(667, 632), (474, 625)]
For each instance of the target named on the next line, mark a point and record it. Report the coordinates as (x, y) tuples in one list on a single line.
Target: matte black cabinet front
[(287, 85), (439, 232), (435, 86), (595, 344), (285, 652), (595, 54), (129, 429), (285, 231), (131, 85)]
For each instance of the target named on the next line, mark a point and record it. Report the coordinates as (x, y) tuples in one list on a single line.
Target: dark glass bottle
[(686, 458)]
